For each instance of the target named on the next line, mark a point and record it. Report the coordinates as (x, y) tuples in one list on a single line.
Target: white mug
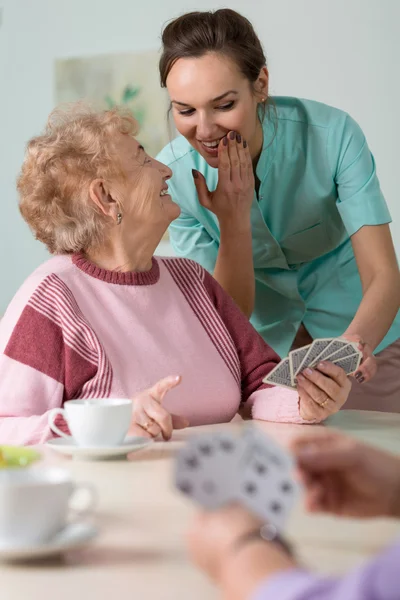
[(98, 422), (35, 504)]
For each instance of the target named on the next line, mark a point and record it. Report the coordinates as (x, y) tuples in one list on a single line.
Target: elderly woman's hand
[(322, 391), (149, 417)]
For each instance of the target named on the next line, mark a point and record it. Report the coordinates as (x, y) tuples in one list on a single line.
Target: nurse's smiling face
[(211, 97)]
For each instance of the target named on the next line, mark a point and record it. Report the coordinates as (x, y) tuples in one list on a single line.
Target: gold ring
[(322, 405), (146, 426)]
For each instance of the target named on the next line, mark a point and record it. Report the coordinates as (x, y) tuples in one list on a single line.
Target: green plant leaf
[(130, 93), (140, 115), (109, 101)]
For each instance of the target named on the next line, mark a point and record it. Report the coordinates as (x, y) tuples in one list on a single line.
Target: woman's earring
[(119, 218)]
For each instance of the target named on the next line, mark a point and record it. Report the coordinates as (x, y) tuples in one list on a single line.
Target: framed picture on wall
[(128, 80)]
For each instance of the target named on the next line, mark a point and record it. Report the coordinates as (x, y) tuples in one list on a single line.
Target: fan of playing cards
[(220, 468), (339, 351)]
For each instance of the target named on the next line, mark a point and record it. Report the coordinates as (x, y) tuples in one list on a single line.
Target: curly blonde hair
[(76, 147)]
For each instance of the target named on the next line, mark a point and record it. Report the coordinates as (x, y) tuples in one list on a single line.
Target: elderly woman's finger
[(162, 418), (309, 410), (151, 427), (158, 390), (141, 419), (335, 373), (136, 430), (326, 385), (318, 394)]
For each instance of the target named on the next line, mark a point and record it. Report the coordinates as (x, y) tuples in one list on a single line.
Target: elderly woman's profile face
[(101, 184), (144, 193)]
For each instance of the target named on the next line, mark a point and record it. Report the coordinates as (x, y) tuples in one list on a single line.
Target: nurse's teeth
[(211, 144)]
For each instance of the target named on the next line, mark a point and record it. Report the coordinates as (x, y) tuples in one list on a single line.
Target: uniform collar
[(270, 140)]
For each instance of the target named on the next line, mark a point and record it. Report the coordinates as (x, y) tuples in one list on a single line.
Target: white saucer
[(69, 447), (72, 536)]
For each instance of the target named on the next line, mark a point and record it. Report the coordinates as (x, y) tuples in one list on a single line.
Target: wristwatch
[(266, 532)]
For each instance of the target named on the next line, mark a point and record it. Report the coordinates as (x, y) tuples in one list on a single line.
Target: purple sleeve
[(377, 580)]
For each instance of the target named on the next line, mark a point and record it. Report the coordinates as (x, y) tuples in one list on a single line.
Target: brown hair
[(76, 147), (224, 31)]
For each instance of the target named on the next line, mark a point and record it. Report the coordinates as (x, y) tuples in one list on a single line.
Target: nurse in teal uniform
[(280, 201)]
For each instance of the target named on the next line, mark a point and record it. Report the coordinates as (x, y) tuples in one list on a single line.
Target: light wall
[(342, 52)]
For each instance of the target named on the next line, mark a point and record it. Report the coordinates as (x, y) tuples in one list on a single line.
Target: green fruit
[(17, 456)]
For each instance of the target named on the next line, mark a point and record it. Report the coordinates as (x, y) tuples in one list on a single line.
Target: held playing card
[(254, 437), (315, 350), (335, 346), (206, 469), (266, 487), (347, 350), (350, 363), (280, 375), (217, 469), (295, 359), (334, 350)]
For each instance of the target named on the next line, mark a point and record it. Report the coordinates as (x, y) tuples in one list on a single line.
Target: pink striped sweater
[(74, 330)]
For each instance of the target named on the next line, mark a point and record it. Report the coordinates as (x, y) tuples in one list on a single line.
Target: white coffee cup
[(35, 504), (98, 422)]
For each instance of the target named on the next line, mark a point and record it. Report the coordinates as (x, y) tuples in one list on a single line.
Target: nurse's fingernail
[(322, 366), (244, 144), (225, 141), (308, 371), (238, 138), (195, 173), (232, 135)]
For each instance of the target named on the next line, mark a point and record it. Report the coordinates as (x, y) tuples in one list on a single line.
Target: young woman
[(280, 201)]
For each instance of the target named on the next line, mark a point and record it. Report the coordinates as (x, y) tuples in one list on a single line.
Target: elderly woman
[(104, 318)]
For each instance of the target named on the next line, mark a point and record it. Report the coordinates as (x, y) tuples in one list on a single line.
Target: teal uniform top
[(318, 186)]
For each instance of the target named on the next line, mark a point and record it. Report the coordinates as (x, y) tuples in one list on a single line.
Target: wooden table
[(140, 552)]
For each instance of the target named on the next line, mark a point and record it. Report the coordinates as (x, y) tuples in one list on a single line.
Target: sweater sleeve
[(377, 580), (30, 379), (41, 366), (256, 359)]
